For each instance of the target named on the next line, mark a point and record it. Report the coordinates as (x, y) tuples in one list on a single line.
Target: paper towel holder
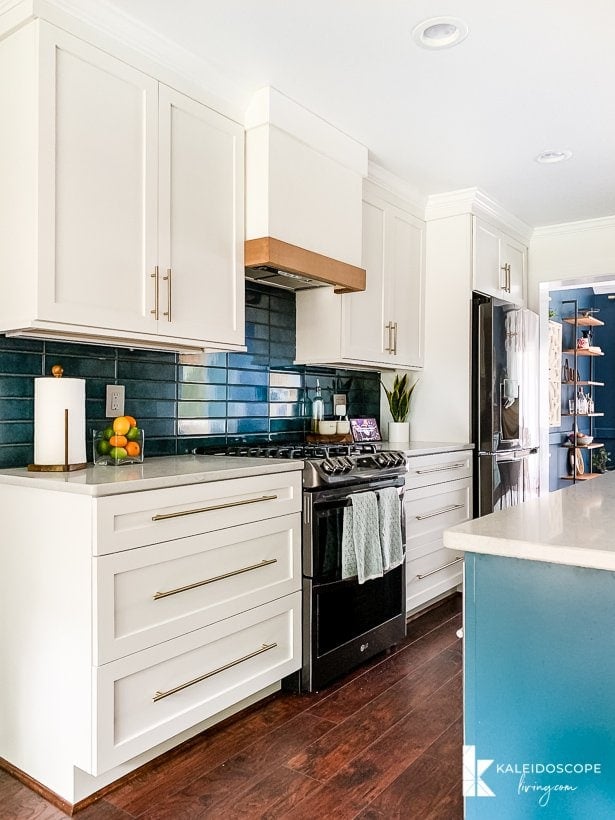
[(57, 370)]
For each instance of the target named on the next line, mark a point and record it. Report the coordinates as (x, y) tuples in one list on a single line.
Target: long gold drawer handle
[(444, 566), (264, 563), (455, 466), (264, 648), (164, 516), (439, 512)]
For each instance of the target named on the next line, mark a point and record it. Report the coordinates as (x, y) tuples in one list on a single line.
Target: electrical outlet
[(339, 404), (115, 400)]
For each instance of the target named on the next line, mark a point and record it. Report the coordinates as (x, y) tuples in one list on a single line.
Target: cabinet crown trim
[(477, 202)]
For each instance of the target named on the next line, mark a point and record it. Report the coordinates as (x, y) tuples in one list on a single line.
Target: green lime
[(103, 447), (133, 434), (118, 453), (108, 432)]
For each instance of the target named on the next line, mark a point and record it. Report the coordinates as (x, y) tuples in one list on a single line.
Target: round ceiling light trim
[(440, 32), (550, 156)]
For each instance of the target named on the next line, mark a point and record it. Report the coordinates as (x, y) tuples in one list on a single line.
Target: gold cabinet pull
[(264, 648), (155, 276), (264, 563), (444, 566), (167, 279), (395, 338), (389, 327), (165, 516), (456, 466), (441, 511)]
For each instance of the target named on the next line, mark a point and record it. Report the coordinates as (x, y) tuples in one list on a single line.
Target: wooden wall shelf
[(584, 321)]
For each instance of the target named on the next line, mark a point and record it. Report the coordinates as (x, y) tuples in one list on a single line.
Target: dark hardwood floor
[(383, 742)]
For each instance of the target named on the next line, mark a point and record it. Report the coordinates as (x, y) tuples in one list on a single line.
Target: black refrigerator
[(505, 404)]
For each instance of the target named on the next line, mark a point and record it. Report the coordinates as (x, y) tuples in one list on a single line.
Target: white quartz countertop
[(424, 448), (152, 474), (574, 526)]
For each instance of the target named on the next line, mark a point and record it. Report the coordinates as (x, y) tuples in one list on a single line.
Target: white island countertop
[(152, 474), (574, 526)]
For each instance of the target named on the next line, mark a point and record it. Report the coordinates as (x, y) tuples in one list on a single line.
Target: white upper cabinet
[(128, 180), (382, 326), (500, 263)]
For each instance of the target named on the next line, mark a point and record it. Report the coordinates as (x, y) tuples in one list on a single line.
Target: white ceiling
[(532, 75)]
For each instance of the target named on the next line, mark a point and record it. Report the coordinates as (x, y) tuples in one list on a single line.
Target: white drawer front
[(155, 593), (145, 698), (135, 519), (438, 467), (430, 510), (432, 575)]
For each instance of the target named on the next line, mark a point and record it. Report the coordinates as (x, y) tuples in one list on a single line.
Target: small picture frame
[(365, 429)]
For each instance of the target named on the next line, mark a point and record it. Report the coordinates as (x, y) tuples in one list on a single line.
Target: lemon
[(121, 425)]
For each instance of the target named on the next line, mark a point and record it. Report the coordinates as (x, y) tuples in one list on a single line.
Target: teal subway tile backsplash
[(186, 400)]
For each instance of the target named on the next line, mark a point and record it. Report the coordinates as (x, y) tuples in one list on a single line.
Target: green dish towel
[(361, 551), (389, 513)]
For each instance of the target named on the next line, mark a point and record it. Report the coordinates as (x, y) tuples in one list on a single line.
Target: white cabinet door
[(201, 222), (384, 324), (97, 206), (406, 286), (365, 337), (500, 263)]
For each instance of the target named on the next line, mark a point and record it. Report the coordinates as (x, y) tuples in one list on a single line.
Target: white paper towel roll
[(51, 397)]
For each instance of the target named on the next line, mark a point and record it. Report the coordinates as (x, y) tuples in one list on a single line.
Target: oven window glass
[(327, 540), (348, 609)]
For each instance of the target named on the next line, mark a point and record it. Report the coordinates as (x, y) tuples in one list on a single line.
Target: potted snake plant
[(399, 404)]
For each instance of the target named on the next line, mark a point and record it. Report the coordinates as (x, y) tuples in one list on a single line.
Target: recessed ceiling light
[(553, 156), (440, 32)]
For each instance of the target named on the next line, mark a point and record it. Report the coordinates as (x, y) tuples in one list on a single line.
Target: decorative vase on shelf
[(399, 432)]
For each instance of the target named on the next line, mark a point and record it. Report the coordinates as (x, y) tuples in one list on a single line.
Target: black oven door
[(323, 521)]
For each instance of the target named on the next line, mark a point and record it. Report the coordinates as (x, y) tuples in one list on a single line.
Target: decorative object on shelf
[(365, 429), (119, 443), (583, 341), (600, 460), (399, 404), (59, 423)]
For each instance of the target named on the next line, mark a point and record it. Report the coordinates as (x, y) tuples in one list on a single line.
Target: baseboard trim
[(417, 613), (43, 791)]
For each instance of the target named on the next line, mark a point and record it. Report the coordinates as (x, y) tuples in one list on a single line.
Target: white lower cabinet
[(139, 616), (438, 496)]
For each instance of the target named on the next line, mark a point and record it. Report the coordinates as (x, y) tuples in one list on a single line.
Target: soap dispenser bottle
[(318, 408)]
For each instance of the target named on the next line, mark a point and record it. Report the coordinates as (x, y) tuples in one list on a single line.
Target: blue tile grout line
[(185, 400)]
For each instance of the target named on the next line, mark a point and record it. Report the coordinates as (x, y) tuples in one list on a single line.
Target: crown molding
[(116, 31), (477, 202), (602, 223), (399, 187)]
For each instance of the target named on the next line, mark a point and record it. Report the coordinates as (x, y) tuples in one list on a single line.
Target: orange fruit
[(133, 448), (132, 420), (118, 441), (121, 425)]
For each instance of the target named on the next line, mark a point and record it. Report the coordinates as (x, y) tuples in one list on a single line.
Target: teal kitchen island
[(539, 657)]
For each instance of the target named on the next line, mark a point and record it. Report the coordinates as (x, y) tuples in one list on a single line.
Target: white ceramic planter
[(399, 431)]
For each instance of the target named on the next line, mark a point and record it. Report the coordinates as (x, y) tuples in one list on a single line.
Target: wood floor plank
[(274, 796), (322, 759), (219, 789), (348, 699), (18, 802), (361, 780), (425, 783), (206, 752)]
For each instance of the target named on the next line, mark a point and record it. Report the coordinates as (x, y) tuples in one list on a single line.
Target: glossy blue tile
[(212, 442), (81, 351), (16, 409), (285, 409), (145, 370), (137, 389), (201, 409), (254, 331), (201, 427), (256, 377), (215, 359), (16, 455), (16, 386), (247, 409), (251, 361), (157, 427), (202, 392), (160, 447), (257, 314), (285, 379), (247, 426), (14, 344), (284, 394), (257, 347), (150, 408), (202, 375), (247, 393), (287, 425), (147, 355), (16, 432), (27, 364), (286, 320)]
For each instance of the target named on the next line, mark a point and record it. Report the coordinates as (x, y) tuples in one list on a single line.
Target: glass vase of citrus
[(119, 443)]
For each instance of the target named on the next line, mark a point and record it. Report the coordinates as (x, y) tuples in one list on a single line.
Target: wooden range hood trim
[(273, 253)]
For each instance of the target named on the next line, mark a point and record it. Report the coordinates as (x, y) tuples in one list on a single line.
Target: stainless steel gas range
[(344, 622)]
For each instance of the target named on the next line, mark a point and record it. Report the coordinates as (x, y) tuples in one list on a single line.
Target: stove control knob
[(381, 460), (328, 466)]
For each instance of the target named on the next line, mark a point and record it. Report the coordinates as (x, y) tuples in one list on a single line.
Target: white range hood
[(304, 181)]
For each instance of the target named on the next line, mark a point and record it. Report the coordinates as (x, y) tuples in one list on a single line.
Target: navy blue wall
[(604, 397), (185, 400)]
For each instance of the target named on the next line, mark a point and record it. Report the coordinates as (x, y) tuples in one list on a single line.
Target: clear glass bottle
[(318, 408)]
